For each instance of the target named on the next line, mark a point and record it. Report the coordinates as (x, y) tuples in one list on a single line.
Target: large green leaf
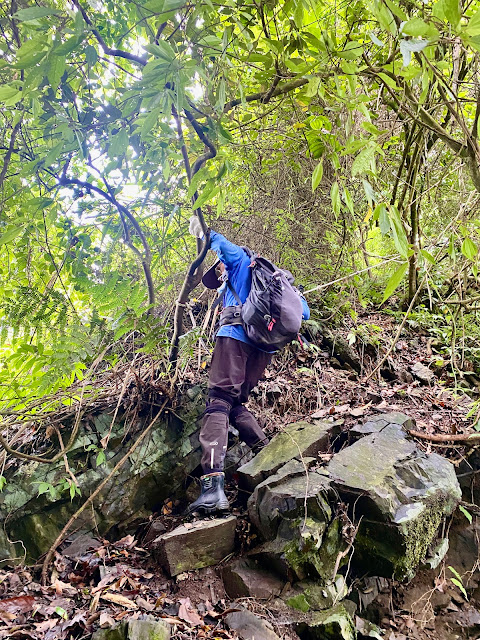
[(9, 93), (473, 27), (35, 13), (317, 175), (395, 280), (448, 10), (398, 231), (10, 234), (469, 249)]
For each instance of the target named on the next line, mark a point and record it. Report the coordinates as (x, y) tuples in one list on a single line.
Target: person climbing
[(236, 367)]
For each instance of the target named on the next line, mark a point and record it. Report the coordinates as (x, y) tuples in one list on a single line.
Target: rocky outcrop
[(156, 470), (400, 493)]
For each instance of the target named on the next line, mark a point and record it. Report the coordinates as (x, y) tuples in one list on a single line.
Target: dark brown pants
[(236, 368)]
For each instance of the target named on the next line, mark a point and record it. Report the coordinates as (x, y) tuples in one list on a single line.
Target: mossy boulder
[(401, 493), (292, 510), (309, 595), (332, 624)]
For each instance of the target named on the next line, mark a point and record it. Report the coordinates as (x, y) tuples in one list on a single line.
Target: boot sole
[(221, 508)]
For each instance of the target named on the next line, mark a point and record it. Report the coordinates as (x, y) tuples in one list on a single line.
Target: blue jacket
[(237, 265)]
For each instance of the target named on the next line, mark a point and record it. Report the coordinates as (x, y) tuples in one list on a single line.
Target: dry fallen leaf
[(127, 541), (20, 604), (63, 588), (116, 598), (187, 613), (359, 411), (342, 408), (106, 620), (45, 625)]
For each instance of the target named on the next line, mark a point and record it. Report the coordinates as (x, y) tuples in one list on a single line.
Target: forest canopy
[(340, 138)]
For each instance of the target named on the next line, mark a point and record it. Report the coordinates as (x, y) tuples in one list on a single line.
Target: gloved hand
[(195, 228)]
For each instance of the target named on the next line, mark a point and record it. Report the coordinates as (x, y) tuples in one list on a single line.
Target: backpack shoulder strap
[(235, 294)]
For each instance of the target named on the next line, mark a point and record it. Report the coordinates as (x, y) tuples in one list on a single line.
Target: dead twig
[(91, 498), (464, 438)]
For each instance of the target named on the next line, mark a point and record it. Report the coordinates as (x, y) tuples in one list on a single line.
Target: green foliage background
[(346, 136)]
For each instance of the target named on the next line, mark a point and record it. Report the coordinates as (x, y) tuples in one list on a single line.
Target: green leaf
[(55, 70), (43, 487), (61, 612), (416, 27), (100, 459), (466, 513), (162, 50), (35, 13), (389, 81), (317, 175), (68, 46), (396, 10), (91, 55), (221, 95), (3, 482), (428, 256), (119, 144), (394, 281), (196, 179), (347, 196), (447, 10), (335, 197), (207, 194), (351, 51), (10, 234), (469, 249), (9, 95), (150, 121), (398, 232), (473, 27), (364, 161), (224, 132)]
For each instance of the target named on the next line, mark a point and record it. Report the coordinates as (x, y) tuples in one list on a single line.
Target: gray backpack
[(272, 313)]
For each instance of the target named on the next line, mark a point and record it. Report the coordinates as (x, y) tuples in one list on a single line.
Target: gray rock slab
[(422, 373), (245, 579), (155, 471), (146, 628), (374, 424), (195, 545), (402, 494), (300, 439), (248, 626)]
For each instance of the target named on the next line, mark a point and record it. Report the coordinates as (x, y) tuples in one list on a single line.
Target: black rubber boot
[(212, 497)]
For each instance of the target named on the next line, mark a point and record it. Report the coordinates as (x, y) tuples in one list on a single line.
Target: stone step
[(195, 545)]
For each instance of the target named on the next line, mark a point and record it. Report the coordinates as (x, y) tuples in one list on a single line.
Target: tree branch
[(8, 155), (260, 96), (144, 259), (112, 52)]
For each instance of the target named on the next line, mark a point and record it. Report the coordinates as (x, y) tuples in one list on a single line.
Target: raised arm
[(230, 254)]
